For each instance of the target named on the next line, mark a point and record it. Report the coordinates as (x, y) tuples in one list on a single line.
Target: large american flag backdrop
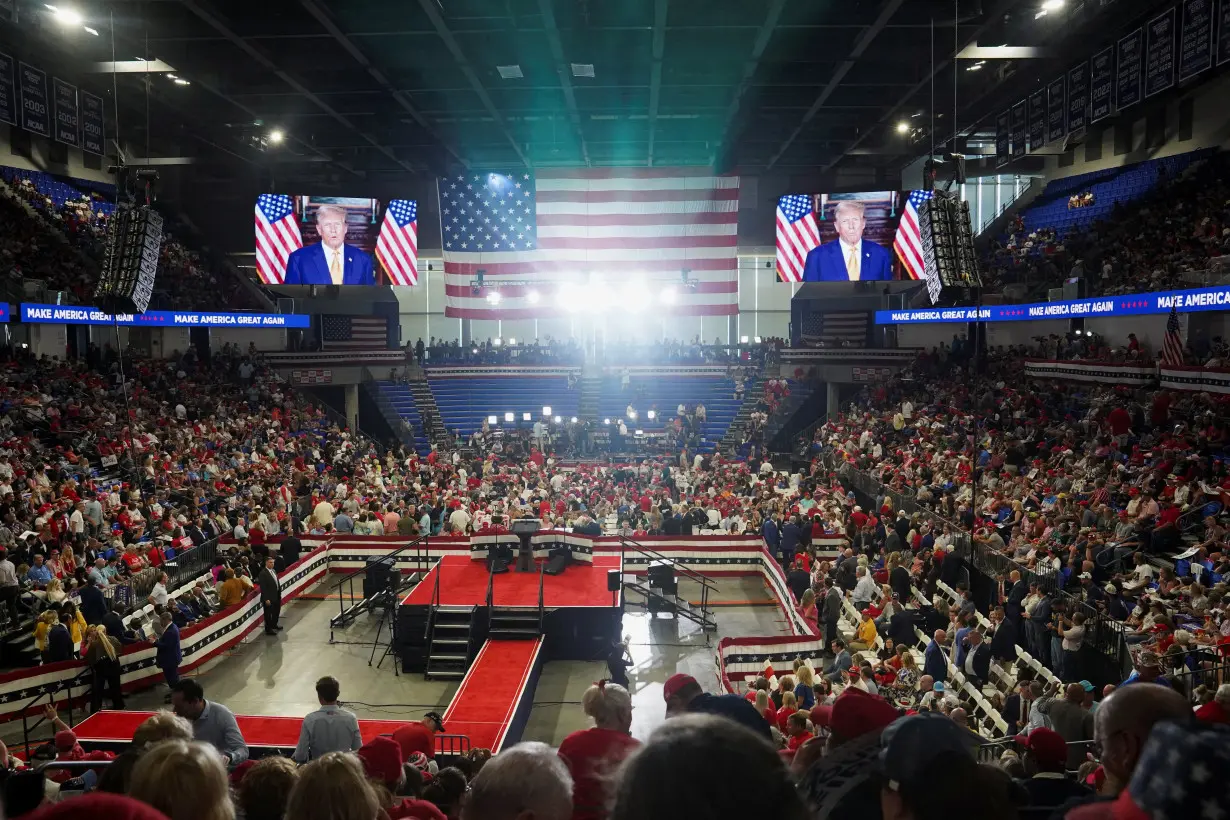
[(573, 226)]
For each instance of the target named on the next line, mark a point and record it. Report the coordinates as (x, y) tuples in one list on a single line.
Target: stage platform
[(495, 697), (108, 729), (463, 582)]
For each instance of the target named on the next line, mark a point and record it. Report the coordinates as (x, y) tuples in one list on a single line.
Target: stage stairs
[(449, 639), (665, 598), (751, 399)]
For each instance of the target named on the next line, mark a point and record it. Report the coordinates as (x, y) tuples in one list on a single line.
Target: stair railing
[(345, 614), (81, 679), (490, 592), (542, 609), (707, 584)]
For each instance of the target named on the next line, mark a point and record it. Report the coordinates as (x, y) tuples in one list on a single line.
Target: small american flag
[(398, 245), (277, 236), (355, 332), (1172, 346), (797, 234), (908, 242)]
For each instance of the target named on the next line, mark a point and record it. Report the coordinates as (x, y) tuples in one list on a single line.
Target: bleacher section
[(666, 393), (1113, 185), (464, 401), (61, 192), (403, 402)]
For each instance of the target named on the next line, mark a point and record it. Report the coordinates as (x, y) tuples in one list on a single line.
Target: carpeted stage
[(495, 697), (463, 582)]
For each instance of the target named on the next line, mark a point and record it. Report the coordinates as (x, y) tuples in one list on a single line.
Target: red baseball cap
[(1046, 744), (676, 682)]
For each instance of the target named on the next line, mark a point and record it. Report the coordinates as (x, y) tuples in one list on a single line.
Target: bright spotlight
[(276, 136), (574, 419), (652, 414), (68, 17), (1052, 5), (494, 297), (632, 415), (640, 432), (669, 295), (89, 30), (742, 340), (903, 128), (758, 340), (606, 421), (475, 351), (525, 416), (532, 297), (509, 417), (493, 419), (546, 410), (512, 340), (558, 419), (497, 341)]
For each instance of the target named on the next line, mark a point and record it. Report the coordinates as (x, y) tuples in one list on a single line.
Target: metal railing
[(542, 609), (490, 599), (706, 583), (81, 679), (347, 614)]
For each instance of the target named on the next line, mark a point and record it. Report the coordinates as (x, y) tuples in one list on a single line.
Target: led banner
[(1136, 304), (75, 315)]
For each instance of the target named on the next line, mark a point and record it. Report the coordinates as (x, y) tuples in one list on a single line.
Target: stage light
[(497, 341), (669, 295), (89, 30), (494, 297), (546, 410), (743, 340), (475, 351), (903, 128), (606, 421), (532, 297), (652, 414), (574, 419), (632, 415), (182, 81), (68, 17), (276, 136), (493, 419), (558, 419), (640, 432), (525, 417), (758, 340), (1052, 5), (512, 340), (509, 417)]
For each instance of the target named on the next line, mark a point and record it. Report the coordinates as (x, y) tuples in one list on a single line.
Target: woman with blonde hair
[(803, 691), (807, 608), (789, 706), (332, 787), (100, 656), (55, 594), (592, 755), (184, 780)]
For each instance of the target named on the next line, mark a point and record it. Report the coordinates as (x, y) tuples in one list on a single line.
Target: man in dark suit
[(772, 537), (849, 258), (792, 537), (1017, 590), (330, 261), (271, 597), (935, 663), (832, 614)]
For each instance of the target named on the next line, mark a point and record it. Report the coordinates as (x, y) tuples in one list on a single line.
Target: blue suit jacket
[(934, 662), (827, 264), (307, 266)]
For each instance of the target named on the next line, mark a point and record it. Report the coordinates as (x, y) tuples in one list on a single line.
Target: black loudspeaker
[(662, 577), (381, 576), (498, 565), (130, 260), (613, 580), (560, 559)]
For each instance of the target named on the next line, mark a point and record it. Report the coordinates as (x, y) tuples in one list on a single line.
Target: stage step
[(515, 623), (450, 634)]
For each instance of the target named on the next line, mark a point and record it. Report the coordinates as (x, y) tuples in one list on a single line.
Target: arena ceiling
[(360, 87)]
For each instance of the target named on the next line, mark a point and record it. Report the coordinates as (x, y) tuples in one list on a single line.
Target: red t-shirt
[(419, 809), (591, 755), (796, 741), (415, 737)]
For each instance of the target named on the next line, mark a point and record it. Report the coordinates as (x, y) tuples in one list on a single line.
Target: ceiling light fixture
[(89, 30), (1052, 5), (181, 81), (903, 128), (510, 72), (68, 17), (276, 136)]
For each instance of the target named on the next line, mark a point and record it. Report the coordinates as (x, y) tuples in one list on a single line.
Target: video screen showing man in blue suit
[(330, 261), (849, 257)]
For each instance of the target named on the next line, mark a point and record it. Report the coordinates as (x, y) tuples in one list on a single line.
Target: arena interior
[(737, 409)]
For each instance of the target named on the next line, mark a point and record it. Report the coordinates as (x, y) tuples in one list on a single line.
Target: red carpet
[(258, 730), (488, 696), (463, 582)]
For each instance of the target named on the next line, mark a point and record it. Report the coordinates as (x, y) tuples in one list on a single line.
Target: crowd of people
[(30, 250), (1181, 226)]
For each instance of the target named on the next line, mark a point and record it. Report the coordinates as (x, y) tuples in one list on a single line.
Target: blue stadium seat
[(465, 402), (403, 402), (667, 392)]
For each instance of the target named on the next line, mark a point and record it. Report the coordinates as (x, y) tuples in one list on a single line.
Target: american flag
[(797, 233), (1172, 345), (397, 248), (908, 242), (834, 329), (355, 332), (277, 236), (582, 235)]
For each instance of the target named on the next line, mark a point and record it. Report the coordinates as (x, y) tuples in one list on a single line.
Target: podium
[(523, 528)]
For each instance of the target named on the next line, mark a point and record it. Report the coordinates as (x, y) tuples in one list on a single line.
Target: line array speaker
[(130, 260)]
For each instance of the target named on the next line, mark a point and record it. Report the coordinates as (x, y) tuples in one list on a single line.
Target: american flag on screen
[(570, 225), (277, 236), (355, 332), (908, 242), (1172, 345), (397, 248), (797, 233)]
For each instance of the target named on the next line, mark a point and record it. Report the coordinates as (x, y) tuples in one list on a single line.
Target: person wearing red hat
[(684, 695), (1046, 754), (382, 762), (100, 806)]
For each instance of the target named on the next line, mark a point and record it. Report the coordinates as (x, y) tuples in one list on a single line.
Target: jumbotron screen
[(867, 236), (327, 240)]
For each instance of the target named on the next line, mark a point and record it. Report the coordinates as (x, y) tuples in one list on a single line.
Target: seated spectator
[(183, 780), (1046, 756), (333, 787), (684, 695), (265, 788)]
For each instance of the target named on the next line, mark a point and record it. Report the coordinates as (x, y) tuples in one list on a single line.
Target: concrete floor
[(276, 675)]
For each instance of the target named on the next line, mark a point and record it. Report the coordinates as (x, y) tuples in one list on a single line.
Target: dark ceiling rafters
[(992, 18), (660, 10), (763, 36), (215, 21), (563, 69), (320, 12), (860, 45), (433, 13)]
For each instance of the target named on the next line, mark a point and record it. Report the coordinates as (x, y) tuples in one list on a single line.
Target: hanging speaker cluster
[(130, 260)]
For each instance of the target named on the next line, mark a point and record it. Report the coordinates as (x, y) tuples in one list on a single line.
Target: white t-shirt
[(159, 594)]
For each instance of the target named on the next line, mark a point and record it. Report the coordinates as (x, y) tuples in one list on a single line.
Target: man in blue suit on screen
[(330, 261), (849, 258)]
